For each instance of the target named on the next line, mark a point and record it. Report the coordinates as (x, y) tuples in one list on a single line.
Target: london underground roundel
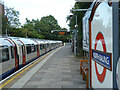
[(101, 45), (100, 37)]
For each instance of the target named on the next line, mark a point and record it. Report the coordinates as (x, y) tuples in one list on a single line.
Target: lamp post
[(26, 35), (75, 35), (6, 32), (76, 26)]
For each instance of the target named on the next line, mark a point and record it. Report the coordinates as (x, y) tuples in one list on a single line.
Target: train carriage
[(46, 43), (16, 52), (59, 43), (31, 49), (52, 45), (41, 46), (7, 58)]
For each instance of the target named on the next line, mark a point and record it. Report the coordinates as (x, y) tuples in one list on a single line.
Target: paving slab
[(61, 70)]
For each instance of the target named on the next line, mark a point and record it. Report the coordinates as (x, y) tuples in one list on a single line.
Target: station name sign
[(103, 58)]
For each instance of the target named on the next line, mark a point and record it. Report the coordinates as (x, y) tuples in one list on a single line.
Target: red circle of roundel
[(100, 37)]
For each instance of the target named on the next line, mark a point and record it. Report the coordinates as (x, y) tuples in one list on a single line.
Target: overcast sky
[(33, 9)]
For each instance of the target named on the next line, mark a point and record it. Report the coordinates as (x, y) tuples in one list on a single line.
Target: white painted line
[(21, 82)]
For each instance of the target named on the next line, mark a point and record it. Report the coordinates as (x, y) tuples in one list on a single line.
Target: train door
[(20, 54), (5, 59), (15, 54), (42, 48), (38, 48), (45, 48), (38, 52), (50, 46), (12, 59), (23, 52)]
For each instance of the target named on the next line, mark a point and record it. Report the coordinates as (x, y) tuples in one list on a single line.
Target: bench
[(84, 70)]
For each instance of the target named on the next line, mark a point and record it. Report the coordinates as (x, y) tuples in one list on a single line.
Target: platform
[(60, 69)]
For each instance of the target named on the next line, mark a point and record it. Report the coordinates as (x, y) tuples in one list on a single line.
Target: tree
[(31, 29), (78, 5), (47, 24), (42, 28), (11, 21), (12, 17)]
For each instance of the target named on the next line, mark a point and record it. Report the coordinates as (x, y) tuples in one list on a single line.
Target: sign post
[(116, 44), (103, 44)]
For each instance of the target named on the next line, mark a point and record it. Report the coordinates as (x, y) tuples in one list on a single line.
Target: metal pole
[(115, 40), (26, 35), (76, 19), (6, 32), (76, 26), (75, 37), (75, 42)]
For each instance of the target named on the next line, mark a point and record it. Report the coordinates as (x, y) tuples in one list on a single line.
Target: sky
[(33, 9)]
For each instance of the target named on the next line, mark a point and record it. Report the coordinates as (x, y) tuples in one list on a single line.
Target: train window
[(5, 54), (28, 49), (47, 45), (23, 50), (12, 52), (33, 48), (37, 47), (52, 44), (0, 56), (41, 46)]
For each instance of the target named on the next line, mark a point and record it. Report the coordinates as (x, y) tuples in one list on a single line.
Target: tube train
[(17, 52)]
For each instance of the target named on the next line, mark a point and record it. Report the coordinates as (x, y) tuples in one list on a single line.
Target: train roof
[(59, 41), (39, 41), (46, 41), (30, 40), (24, 40), (5, 42)]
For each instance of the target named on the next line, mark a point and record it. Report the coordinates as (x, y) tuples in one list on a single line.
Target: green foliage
[(13, 17), (72, 23), (42, 29), (10, 21), (32, 28), (47, 24)]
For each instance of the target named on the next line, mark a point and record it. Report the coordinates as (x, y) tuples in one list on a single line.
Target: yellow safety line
[(24, 70)]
